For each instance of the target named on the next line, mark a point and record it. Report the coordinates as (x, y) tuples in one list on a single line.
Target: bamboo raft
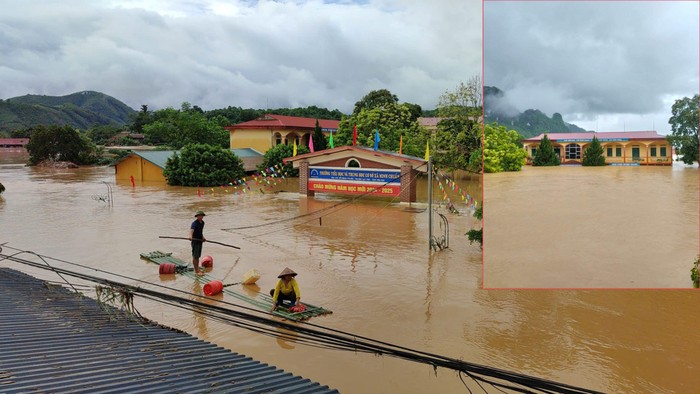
[(262, 301)]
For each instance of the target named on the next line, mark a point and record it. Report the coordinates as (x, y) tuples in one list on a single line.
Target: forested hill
[(530, 123), (81, 110)]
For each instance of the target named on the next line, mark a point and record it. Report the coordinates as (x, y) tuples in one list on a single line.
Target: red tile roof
[(14, 141), (629, 135), (281, 121)]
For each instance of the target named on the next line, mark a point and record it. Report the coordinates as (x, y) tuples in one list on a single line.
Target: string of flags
[(267, 179), (472, 203)]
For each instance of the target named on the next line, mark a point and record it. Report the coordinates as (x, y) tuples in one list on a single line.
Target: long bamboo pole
[(195, 239)]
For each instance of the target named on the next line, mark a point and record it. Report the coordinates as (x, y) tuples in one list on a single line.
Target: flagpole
[(430, 205)]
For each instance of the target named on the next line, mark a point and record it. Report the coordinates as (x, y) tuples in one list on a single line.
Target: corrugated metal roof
[(52, 340)]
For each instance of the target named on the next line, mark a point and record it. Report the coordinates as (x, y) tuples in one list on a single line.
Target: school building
[(270, 130), (619, 148)]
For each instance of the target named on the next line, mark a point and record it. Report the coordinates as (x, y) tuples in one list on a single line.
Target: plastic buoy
[(166, 268), (213, 287), (207, 261), (250, 277)]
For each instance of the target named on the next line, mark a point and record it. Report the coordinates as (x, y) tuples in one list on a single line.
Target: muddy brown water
[(591, 227), (369, 263)]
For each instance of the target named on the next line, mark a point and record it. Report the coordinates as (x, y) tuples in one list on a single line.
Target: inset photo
[(591, 145)]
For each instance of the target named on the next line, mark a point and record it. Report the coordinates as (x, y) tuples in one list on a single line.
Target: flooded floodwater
[(591, 227), (369, 263)]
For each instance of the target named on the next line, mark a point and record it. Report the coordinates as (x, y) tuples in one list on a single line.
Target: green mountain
[(81, 110), (530, 123)]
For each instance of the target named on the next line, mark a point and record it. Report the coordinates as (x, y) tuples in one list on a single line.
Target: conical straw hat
[(286, 271)]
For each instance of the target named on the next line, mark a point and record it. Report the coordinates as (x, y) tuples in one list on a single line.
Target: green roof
[(160, 157)]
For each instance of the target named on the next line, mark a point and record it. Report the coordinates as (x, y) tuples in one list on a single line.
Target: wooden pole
[(194, 239)]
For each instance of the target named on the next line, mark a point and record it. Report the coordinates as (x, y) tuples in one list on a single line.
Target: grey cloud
[(269, 54), (592, 57)]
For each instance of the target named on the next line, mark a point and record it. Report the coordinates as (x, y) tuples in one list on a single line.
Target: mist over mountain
[(81, 110), (530, 123)]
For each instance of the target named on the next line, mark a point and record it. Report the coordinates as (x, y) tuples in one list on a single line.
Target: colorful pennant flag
[(295, 148), (401, 145), (330, 141), (311, 143), (376, 139), (427, 151)]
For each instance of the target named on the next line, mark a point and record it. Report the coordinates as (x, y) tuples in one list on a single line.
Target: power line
[(311, 334)]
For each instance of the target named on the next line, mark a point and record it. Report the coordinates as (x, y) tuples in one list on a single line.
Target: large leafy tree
[(545, 155), (392, 121), (375, 99), (684, 128), (60, 143), (177, 128), (203, 165), (277, 153), (457, 142), (501, 149), (593, 155)]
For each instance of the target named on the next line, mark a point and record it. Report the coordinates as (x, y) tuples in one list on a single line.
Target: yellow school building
[(619, 148), (271, 130)]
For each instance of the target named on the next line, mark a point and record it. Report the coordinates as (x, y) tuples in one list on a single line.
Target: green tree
[(501, 149), (391, 121), (203, 165), (140, 119), (545, 155), (60, 143), (101, 135), (375, 99), (475, 235), (177, 128), (320, 140), (593, 155), (457, 142), (277, 153), (684, 129)]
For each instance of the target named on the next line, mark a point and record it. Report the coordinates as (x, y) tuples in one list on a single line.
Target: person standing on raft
[(197, 239), (287, 289)]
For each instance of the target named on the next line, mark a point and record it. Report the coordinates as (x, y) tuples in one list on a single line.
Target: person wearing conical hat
[(197, 239), (287, 289)]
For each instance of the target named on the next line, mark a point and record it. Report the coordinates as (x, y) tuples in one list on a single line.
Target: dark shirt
[(198, 228)]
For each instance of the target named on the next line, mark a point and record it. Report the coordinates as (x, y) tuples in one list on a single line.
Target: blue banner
[(355, 175)]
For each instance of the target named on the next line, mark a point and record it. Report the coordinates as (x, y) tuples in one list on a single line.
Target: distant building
[(619, 148), (13, 142), (270, 130), (148, 166)]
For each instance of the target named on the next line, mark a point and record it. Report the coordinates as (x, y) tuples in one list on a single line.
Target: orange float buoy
[(166, 268), (214, 287), (207, 261)]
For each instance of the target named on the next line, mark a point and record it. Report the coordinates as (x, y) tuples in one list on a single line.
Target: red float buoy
[(166, 268), (214, 287), (207, 261)]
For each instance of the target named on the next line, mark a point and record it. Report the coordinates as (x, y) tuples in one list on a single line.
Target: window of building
[(557, 152), (278, 139), (618, 151), (662, 151), (534, 152), (353, 163), (573, 151), (609, 152), (653, 151)]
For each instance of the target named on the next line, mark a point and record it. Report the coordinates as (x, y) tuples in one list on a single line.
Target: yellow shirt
[(286, 289)]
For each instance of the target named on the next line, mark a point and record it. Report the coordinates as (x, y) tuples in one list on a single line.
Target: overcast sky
[(252, 54), (606, 66)]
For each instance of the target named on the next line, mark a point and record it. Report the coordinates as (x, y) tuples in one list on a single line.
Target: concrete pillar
[(304, 179), (408, 184)]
